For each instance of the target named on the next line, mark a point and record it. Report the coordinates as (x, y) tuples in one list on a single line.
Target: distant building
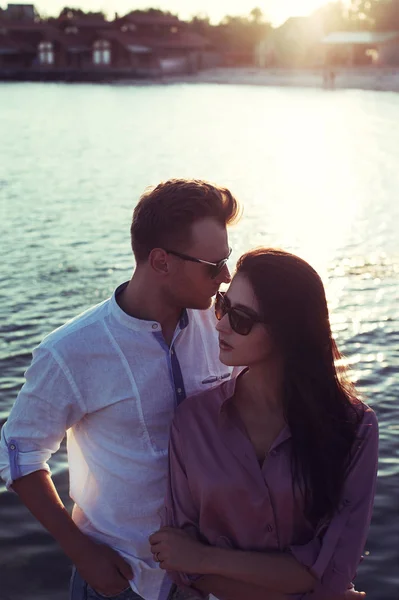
[(92, 48), (359, 48), (293, 44)]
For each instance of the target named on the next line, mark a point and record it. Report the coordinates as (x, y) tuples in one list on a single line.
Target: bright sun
[(280, 10)]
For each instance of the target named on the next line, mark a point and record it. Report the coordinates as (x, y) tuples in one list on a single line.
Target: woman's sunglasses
[(214, 268), (240, 322)]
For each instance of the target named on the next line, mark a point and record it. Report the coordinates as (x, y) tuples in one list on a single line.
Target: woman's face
[(243, 350)]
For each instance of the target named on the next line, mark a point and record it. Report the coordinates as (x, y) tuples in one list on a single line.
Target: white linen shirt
[(113, 384)]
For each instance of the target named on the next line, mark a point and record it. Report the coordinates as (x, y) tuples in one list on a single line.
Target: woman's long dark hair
[(321, 406)]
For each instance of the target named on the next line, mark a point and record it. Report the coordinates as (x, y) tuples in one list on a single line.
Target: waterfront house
[(360, 48), (92, 48)]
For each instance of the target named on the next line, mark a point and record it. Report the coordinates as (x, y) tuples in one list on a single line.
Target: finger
[(354, 595)]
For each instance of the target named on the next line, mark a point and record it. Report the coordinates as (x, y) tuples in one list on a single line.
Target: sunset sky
[(276, 11)]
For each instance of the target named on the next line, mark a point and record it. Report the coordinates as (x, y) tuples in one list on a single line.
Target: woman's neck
[(260, 388)]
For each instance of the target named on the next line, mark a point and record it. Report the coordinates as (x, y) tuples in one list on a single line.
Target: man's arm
[(100, 566), (48, 404)]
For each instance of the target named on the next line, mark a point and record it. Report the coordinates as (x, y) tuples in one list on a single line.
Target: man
[(112, 378)]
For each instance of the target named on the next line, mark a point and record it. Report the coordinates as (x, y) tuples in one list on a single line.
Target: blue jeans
[(81, 590)]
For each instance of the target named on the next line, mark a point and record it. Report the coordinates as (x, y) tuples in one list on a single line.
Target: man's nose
[(224, 275)]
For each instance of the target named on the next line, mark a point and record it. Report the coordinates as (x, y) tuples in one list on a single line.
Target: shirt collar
[(184, 319), (139, 324), (227, 390)]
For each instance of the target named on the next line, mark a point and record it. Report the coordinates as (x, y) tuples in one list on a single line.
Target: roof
[(83, 22), (294, 21), (10, 25), (130, 39), (149, 19), (362, 38)]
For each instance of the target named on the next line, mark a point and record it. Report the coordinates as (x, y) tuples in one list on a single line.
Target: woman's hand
[(354, 595), (176, 550)]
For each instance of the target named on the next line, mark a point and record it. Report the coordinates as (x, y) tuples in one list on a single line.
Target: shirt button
[(179, 390), (155, 326), (172, 352), (269, 528), (12, 447)]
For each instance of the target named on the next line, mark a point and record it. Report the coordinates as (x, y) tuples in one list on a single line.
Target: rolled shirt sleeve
[(47, 405), (334, 554), (180, 510)]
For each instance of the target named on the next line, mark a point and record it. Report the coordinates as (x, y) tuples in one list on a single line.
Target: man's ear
[(159, 261)]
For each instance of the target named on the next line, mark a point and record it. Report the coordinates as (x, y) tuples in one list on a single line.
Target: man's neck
[(142, 300)]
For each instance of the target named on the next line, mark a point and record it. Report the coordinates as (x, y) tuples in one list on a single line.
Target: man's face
[(190, 284)]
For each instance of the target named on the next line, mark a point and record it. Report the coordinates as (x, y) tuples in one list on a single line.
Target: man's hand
[(103, 569), (176, 550)]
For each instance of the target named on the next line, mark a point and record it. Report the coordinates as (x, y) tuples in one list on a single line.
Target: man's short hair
[(164, 214)]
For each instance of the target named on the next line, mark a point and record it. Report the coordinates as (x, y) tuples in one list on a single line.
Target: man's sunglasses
[(240, 322), (214, 268)]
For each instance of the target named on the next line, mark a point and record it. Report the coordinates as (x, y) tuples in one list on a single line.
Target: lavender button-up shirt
[(218, 491)]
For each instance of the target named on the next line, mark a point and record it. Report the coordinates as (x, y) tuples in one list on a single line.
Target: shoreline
[(382, 79), (376, 79)]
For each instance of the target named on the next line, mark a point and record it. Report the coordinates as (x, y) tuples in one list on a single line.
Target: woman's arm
[(273, 571), (228, 589), (334, 555)]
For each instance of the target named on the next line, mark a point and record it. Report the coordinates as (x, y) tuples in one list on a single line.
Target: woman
[(272, 474)]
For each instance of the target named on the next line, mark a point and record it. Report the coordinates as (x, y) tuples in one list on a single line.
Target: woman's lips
[(224, 345)]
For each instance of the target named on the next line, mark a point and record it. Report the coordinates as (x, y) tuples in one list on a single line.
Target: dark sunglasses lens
[(240, 323)]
